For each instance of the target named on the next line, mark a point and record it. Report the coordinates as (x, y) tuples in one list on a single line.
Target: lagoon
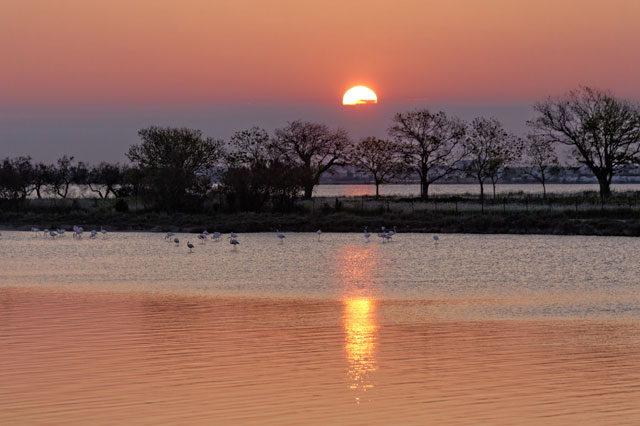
[(474, 329)]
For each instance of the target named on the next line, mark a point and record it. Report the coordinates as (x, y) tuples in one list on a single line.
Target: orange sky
[(192, 52)]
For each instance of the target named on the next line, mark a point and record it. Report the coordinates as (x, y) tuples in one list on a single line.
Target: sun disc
[(359, 95)]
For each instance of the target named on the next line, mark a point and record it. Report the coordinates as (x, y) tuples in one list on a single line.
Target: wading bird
[(319, 232), (216, 236), (367, 234), (436, 239), (190, 246), (168, 236), (233, 242), (176, 241), (280, 235)]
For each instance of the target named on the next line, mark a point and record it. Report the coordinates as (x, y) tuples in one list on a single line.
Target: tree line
[(173, 169)]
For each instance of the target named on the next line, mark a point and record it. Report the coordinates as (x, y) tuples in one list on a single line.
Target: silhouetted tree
[(313, 149), (177, 165), (382, 159), (603, 131), (256, 173), (541, 159), (490, 151), (67, 173), (104, 179), (16, 175), (43, 176), (432, 142)]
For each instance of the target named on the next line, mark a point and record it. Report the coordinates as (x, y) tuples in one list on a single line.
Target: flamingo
[(103, 231), (391, 233), (436, 239), (202, 237), (35, 231), (190, 246), (382, 234), (216, 236), (233, 242), (176, 240), (93, 234), (233, 235), (319, 232), (367, 234), (45, 231), (53, 234), (168, 236), (61, 232), (280, 235), (77, 232)]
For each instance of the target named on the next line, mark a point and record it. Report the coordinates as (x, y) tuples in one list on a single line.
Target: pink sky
[(282, 51), (69, 55)]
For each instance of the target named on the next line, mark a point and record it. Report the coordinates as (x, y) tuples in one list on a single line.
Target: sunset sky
[(82, 76)]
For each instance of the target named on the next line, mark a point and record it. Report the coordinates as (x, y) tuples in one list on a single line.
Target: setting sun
[(359, 95)]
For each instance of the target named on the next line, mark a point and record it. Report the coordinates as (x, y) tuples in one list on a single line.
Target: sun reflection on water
[(361, 331), (357, 265)]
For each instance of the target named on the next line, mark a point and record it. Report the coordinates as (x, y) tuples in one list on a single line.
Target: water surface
[(130, 329)]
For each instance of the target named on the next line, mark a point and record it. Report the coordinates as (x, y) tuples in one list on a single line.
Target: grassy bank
[(623, 222)]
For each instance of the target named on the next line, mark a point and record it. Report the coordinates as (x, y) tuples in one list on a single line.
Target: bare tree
[(380, 158), (432, 142), (43, 178), (603, 131), (65, 174), (313, 148), (541, 159), (490, 151), (104, 179)]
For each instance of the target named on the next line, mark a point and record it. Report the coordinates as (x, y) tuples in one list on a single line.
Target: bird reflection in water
[(356, 265)]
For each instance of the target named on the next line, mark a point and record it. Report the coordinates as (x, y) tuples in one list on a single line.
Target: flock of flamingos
[(385, 235)]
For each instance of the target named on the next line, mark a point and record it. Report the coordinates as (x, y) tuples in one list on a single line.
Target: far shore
[(593, 222)]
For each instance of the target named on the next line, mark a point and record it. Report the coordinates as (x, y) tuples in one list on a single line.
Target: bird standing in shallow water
[(436, 239), (280, 235), (176, 240), (319, 232), (367, 234), (190, 246), (233, 242)]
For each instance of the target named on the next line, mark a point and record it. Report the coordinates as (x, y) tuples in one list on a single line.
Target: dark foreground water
[(129, 329)]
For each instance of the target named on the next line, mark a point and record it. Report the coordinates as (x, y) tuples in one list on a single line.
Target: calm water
[(456, 189), (130, 329)]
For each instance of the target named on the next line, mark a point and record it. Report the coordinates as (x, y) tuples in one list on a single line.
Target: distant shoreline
[(609, 223)]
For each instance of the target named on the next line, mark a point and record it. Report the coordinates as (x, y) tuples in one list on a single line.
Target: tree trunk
[(494, 190), (377, 189), (605, 187), (308, 191), (424, 188)]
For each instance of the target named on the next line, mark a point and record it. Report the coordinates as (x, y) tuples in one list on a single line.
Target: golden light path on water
[(356, 265)]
